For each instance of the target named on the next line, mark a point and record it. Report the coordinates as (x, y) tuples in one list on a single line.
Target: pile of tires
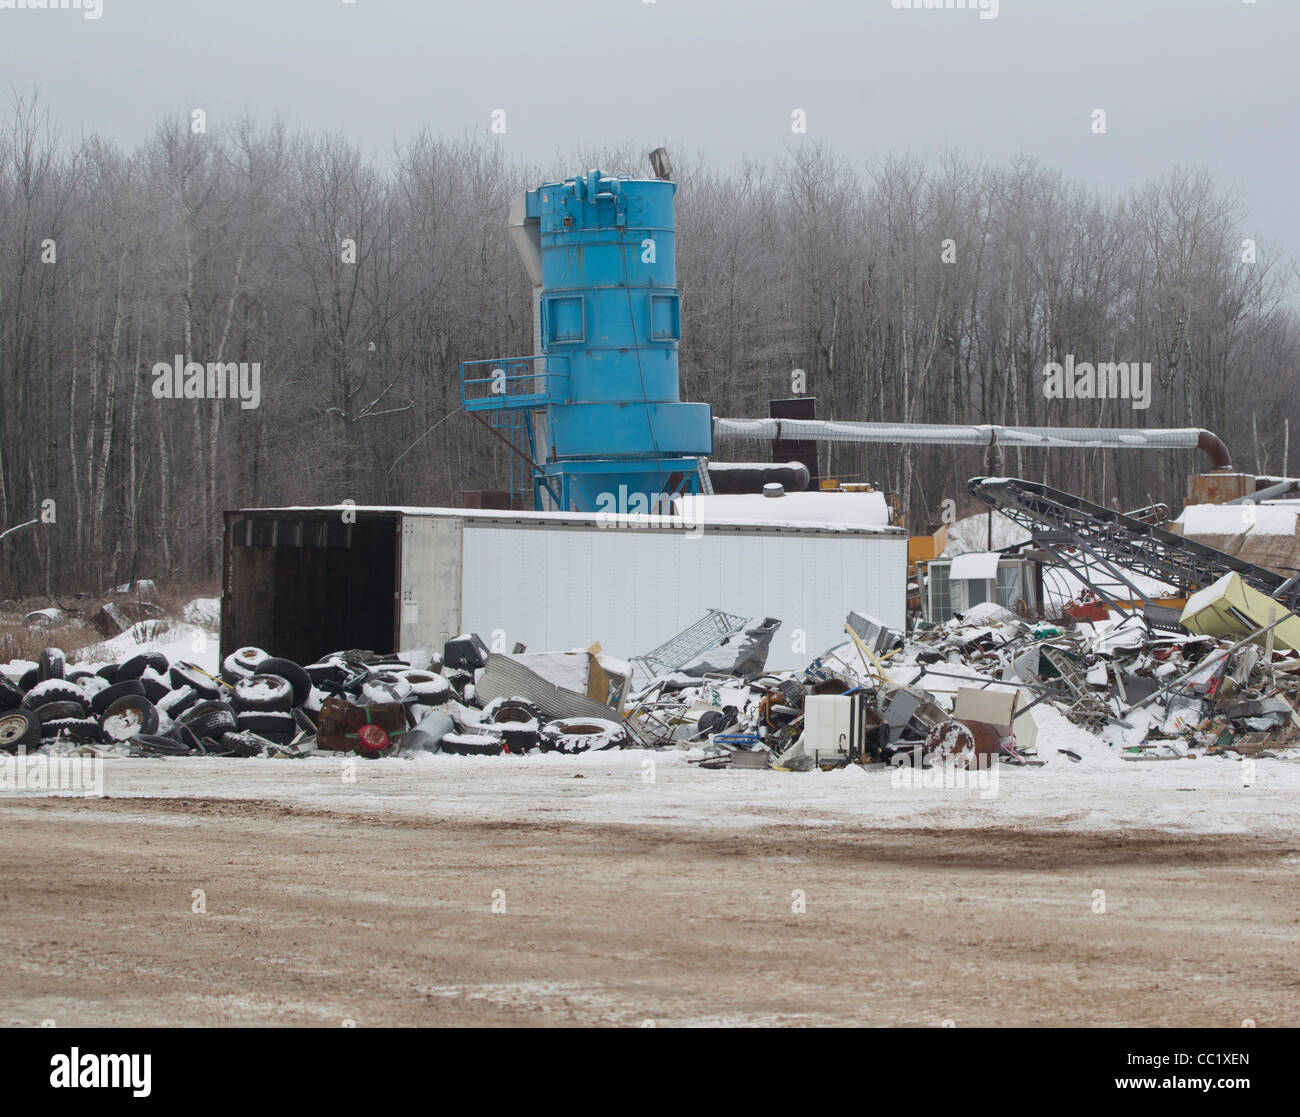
[(263, 705)]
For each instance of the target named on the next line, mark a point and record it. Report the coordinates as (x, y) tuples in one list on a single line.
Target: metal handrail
[(544, 379)]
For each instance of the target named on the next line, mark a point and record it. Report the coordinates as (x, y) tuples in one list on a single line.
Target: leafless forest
[(226, 246)]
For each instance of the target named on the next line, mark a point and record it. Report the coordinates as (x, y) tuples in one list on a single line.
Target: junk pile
[(958, 694), (467, 701), (847, 706), (963, 692)]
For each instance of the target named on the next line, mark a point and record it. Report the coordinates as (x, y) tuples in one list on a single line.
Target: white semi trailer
[(301, 582)]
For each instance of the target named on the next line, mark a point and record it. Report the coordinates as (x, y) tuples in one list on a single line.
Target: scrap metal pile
[(963, 692)]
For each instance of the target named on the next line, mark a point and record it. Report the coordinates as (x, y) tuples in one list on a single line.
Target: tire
[(50, 664), (263, 692), (54, 711), (428, 689), (19, 729), (160, 744), (75, 729), (128, 717), (109, 672), (240, 745), (385, 688), (188, 675), (132, 688), (573, 735), (80, 676), (287, 669), (53, 690), (176, 702), (137, 665), (30, 678), (471, 744), (518, 722), (274, 725), (11, 697), (209, 719), (154, 689), (243, 662)]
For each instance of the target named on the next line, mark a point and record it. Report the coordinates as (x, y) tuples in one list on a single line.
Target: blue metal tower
[(605, 428)]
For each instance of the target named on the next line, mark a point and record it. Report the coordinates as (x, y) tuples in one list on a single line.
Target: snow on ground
[(1211, 795), (1100, 792), (178, 642), (204, 612)]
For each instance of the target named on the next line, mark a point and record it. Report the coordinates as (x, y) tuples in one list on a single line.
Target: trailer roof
[(584, 519)]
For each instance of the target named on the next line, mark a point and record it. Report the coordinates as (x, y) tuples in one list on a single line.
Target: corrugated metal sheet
[(507, 678), (631, 590)]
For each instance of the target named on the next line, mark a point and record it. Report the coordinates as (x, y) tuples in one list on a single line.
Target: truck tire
[(243, 662), (50, 664), (385, 688), (240, 745), (471, 744), (11, 697), (19, 729), (188, 675), (160, 744), (53, 711), (429, 689), (287, 669), (128, 717), (154, 688), (263, 692), (209, 719), (132, 688), (53, 690), (137, 665), (574, 735), (74, 729), (517, 720), (176, 702)]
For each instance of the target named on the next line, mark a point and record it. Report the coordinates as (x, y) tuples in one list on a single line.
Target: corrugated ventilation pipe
[(987, 436)]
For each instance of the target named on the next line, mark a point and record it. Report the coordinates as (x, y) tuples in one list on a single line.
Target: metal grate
[(709, 631)]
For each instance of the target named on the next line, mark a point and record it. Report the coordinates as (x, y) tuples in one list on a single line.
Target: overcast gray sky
[(1182, 81)]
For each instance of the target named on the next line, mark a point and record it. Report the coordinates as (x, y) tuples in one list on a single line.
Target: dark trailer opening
[(303, 584)]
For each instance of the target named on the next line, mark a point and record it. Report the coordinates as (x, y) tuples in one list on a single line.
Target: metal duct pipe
[(985, 435), (1269, 493), (750, 477)]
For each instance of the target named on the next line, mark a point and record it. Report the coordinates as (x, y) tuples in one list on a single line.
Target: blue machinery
[(593, 418)]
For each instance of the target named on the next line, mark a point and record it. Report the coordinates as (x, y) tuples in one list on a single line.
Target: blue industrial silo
[(595, 414)]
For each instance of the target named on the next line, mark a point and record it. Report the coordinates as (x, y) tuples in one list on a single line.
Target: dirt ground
[(314, 917)]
